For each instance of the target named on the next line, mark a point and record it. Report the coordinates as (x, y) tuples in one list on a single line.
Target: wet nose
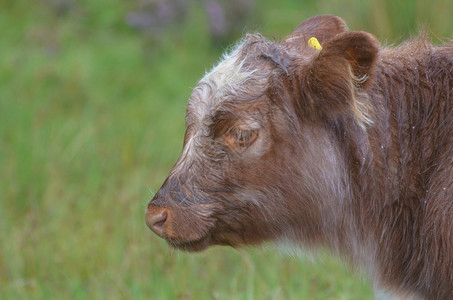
[(155, 218)]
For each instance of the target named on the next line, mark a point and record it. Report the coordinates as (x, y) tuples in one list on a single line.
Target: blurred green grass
[(91, 121)]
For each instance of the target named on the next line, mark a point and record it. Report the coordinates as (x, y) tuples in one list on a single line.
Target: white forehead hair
[(235, 76)]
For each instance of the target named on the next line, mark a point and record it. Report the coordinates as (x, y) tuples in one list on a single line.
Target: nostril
[(156, 220), (159, 220)]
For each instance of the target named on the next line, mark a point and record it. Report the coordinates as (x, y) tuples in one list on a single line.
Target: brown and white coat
[(341, 144)]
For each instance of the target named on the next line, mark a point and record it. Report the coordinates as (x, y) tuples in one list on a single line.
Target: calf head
[(260, 160)]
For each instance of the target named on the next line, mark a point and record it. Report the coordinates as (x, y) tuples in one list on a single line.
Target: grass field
[(91, 121)]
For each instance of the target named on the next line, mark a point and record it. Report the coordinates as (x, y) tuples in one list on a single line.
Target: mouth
[(192, 235), (190, 245), (187, 229)]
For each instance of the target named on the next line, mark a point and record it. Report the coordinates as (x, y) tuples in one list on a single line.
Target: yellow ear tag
[(313, 42)]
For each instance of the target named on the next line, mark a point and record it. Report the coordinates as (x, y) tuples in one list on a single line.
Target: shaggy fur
[(348, 148)]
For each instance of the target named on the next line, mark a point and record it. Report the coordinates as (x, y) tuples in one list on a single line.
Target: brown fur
[(349, 147)]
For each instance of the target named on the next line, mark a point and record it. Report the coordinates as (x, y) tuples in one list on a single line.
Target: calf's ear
[(322, 27), (339, 73)]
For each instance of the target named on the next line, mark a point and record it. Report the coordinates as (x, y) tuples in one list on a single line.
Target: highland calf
[(325, 139)]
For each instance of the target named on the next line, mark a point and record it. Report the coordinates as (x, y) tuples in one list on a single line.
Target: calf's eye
[(241, 137)]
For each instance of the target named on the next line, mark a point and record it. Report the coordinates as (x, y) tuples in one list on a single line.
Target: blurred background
[(92, 104)]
